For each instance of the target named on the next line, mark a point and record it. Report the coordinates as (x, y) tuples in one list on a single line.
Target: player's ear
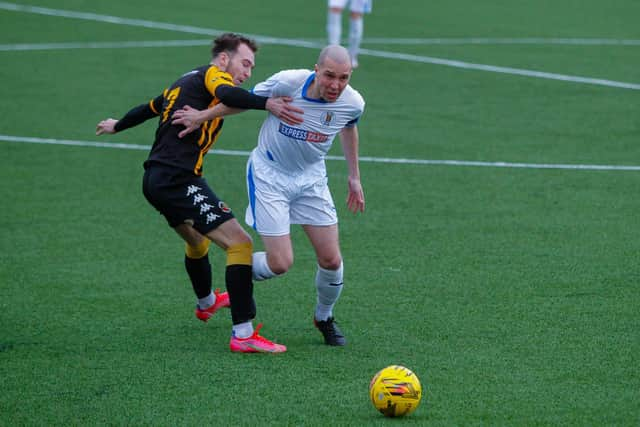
[(223, 60)]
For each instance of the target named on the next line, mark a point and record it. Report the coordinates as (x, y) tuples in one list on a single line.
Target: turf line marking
[(504, 70), (396, 41), (106, 18), (110, 19), (310, 44), (502, 41), (122, 146), (104, 45)]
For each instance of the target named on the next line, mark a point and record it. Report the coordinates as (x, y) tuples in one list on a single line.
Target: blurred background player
[(356, 24), (174, 185)]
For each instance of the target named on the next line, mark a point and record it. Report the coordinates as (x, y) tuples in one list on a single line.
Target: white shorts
[(357, 6), (277, 200)]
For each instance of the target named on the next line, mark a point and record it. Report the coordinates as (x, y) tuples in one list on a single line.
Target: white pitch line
[(504, 70), (104, 45), (502, 41), (144, 44), (107, 18), (395, 41), (315, 45), (110, 19), (122, 146)]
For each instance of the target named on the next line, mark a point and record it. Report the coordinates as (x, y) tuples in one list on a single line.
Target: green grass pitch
[(512, 292)]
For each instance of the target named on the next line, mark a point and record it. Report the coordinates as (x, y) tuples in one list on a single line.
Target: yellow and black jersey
[(197, 89), (200, 88)]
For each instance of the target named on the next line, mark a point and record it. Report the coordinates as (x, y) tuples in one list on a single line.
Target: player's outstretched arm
[(280, 107), (134, 117), (350, 141), (192, 119), (236, 100)]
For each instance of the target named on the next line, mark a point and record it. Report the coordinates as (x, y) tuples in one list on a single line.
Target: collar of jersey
[(305, 88)]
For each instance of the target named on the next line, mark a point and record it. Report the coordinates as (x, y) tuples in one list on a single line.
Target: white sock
[(356, 28), (260, 268), (334, 27), (207, 301), (329, 286), (242, 330)]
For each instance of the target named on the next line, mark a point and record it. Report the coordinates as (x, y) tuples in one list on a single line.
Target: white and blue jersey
[(301, 149)]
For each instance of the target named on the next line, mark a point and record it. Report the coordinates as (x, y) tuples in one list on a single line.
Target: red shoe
[(222, 300), (255, 344)]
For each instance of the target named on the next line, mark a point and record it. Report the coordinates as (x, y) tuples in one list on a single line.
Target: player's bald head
[(333, 72), (336, 54)]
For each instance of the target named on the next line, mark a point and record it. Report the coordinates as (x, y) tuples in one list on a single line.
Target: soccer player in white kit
[(287, 178), (356, 24)]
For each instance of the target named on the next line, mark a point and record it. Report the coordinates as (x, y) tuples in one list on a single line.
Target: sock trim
[(240, 254), (198, 251)]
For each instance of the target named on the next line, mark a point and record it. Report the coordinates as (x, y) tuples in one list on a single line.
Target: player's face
[(241, 63), (332, 78)]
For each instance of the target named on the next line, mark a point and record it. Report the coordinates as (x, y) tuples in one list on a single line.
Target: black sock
[(199, 271), (240, 288)]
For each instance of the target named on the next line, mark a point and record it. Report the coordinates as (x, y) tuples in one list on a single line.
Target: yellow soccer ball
[(395, 391)]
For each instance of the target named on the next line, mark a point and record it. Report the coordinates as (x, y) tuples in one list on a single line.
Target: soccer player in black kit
[(174, 185)]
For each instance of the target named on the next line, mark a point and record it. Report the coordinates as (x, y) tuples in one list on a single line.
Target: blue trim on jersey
[(270, 156), (305, 88), (251, 186), (352, 123)]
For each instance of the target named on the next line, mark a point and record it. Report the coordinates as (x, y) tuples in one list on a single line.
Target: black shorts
[(184, 198)]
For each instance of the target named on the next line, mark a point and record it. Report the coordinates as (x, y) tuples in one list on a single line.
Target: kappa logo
[(210, 212), (193, 189), (212, 217), (205, 207), (199, 198)]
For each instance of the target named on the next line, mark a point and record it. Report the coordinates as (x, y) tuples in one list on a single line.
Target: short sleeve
[(214, 78), (284, 83)]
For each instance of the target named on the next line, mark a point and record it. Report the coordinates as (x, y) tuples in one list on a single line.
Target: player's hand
[(281, 108), (106, 126), (355, 198), (188, 117)]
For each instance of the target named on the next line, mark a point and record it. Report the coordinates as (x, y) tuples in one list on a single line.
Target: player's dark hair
[(229, 42)]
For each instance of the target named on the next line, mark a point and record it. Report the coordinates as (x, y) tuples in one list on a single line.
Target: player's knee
[(279, 264), (238, 236), (330, 263), (242, 238), (279, 268), (198, 251)]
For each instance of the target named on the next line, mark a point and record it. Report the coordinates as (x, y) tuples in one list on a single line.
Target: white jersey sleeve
[(284, 83)]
